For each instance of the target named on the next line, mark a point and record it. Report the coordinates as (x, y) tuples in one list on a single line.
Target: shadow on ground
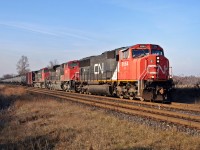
[(6, 101), (186, 95), (39, 142)]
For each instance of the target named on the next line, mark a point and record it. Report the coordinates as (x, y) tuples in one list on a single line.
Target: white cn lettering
[(163, 70), (159, 68), (98, 68)]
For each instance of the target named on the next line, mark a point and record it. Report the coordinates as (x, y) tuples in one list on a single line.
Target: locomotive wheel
[(142, 99), (121, 96), (131, 98), (159, 98)]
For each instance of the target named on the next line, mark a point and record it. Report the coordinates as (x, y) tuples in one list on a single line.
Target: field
[(30, 121)]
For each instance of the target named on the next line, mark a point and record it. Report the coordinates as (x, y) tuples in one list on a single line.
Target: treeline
[(186, 81)]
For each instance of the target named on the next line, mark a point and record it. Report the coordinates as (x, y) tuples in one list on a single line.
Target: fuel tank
[(99, 89)]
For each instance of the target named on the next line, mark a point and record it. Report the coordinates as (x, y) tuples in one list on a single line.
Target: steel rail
[(184, 107)]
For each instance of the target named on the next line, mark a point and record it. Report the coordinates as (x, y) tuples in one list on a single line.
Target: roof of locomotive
[(137, 46), (148, 46), (117, 49)]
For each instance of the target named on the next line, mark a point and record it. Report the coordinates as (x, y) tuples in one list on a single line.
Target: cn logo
[(159, 69), (163, 70), (98, 68)]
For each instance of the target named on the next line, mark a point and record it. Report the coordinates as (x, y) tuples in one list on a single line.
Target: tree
[(53, 63), (22, 65)]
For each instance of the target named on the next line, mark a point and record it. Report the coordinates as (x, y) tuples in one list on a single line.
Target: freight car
[(19, 79)]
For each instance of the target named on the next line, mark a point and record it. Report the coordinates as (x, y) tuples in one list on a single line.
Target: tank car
[(19, 79)]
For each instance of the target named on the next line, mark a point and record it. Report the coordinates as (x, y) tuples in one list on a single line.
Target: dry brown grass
[(2, 86), (8, 95), (39, 122), (10, 91)]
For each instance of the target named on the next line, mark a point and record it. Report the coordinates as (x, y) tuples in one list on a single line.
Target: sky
[(44, 30)]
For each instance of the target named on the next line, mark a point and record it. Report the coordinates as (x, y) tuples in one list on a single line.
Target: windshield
[(140, 52), (157, 52), (73, 64), (46, 70)]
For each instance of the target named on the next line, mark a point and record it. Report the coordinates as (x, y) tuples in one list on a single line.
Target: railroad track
[(127, 107), (183, 108)]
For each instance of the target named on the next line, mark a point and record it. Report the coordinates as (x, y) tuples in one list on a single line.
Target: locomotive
[(140, 71), (135, 72)]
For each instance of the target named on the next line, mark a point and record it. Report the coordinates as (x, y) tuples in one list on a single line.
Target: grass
[(39, 122)]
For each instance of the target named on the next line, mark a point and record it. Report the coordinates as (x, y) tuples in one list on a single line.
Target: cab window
[(140, 52), (157, 52), (125, 54), (46, 70), (73, 64), (39, 74)]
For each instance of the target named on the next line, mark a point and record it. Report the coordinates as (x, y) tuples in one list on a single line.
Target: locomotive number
[(125, 63)]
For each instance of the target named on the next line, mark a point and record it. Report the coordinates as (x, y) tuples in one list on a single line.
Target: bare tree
[(23, 65), (53, 63)]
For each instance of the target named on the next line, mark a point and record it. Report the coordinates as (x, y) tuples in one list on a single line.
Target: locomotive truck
[(135, 72)]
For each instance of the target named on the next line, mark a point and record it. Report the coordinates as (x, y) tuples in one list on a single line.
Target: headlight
[(157, 59)]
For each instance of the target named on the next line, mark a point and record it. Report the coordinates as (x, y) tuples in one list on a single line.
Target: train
[(139, 72)]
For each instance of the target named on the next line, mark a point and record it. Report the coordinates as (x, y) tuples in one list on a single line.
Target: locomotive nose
[(158, 68)]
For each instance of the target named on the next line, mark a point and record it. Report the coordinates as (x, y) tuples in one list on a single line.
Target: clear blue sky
[(44, 30)]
